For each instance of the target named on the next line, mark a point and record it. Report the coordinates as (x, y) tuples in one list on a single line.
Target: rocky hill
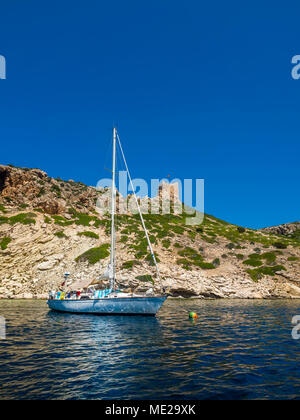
[(50, 226), (291, 230)]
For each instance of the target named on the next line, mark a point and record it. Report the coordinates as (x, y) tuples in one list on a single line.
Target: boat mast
[(113, 203)]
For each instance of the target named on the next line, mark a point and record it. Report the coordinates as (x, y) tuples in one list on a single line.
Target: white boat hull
[(110, 306)]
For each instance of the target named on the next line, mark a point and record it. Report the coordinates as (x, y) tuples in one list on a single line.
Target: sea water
[(235, 349)]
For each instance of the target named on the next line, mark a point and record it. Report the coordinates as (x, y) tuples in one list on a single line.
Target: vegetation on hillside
[(258, 253), (4, 242), (94, 255), (60, 234), (23, 218), (89, 234)]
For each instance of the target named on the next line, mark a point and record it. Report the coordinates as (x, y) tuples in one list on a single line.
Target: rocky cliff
[(291, 230), (50, 226)]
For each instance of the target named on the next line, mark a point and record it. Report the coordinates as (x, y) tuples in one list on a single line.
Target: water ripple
[(235, 350)]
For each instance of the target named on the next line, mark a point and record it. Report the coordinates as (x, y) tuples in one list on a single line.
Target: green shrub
[(296, 235), (185, 263), (177, 229), (41, 192), (280, 245), (192, 258), (60, 234), (71, 211), (216, 262), (23, 206), (205, 265), (210, 240), (140, 254), (253, 262), (47, 220), (152, 239), (2, 208), (269, 257), (124, 238), (255, 259), (293, 259), (23, 218), (192, 235), (230, 246), (146, 278), (56, 190), (241, 229), (129, 264), (258, 273), (89, 234), (255, 256), (94, 255), (166, 243), (3, 220), (4, 242), (102, 222), (188, 252), (61, 221), (84, 219), (149, 259), (239, 256), (163, 233)]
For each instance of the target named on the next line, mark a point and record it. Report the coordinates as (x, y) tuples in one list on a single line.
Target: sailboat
[(111, 301)]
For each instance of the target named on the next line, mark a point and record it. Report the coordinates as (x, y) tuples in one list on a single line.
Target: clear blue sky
[(198, 90)]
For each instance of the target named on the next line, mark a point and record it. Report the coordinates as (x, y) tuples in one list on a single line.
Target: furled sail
[(107, 275)]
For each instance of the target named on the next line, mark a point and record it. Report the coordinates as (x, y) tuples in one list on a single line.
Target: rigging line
[(120, 202), (121, 167), (139, 209)]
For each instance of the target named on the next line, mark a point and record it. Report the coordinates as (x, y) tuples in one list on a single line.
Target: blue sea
[(236, 349)]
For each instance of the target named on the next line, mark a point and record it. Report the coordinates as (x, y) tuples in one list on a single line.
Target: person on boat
[(52, 294)]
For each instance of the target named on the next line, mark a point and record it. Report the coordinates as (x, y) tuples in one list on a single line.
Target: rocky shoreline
[(50, 226)]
